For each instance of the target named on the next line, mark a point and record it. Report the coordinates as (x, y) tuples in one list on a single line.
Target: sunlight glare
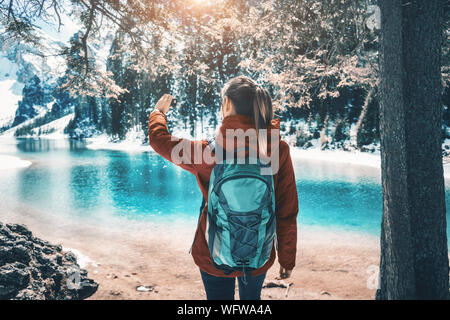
[(202, 2)]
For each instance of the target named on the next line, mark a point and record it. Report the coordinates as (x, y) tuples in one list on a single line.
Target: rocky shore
[(34, 269)]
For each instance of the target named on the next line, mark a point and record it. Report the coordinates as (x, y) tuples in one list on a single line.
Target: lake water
[(69, 181)]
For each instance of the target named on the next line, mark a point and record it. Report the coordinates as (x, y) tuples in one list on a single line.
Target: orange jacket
[(286, 197)]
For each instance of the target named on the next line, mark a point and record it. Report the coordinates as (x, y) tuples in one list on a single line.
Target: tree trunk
[(414, 253)]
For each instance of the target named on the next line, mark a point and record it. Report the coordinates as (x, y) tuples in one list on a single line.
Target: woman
[(246, 106)]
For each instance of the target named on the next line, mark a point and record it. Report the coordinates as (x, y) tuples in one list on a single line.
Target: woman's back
[(239, 134), (284, 184)]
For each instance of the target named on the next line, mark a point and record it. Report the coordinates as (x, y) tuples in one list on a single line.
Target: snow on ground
[(339, 156), (82, 260), (54, 129), (373, 159), (11, 162), (348, 157), (447, 171), (10, 90), (131, 143), (10, 132), (51, 130), (18, 61), (446, 144), (134, 138), (103, 142)]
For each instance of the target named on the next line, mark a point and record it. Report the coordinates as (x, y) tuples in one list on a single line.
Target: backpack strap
[(212, 144), (203, 205)]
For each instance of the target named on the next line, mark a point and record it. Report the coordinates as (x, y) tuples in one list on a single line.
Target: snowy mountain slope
[(54, 129), (10, 90), (10, 132), (19, 62)]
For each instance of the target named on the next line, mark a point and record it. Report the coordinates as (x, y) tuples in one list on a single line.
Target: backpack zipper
[(225, 179)]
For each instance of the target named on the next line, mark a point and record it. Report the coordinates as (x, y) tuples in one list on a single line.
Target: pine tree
[(115, 66), (32, 95), (367, 130), (189, 86)]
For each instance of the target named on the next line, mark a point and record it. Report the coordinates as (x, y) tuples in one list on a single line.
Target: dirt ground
[(330, 264)]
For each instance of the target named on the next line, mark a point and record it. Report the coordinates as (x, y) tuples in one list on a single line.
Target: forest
[(348, 75), (318, 59)]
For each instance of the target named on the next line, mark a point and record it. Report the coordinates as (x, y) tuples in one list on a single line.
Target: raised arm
[(179, 151)]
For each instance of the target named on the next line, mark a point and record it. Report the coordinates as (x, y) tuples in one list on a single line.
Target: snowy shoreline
[(12, 162), (102, 142), (336, 156)]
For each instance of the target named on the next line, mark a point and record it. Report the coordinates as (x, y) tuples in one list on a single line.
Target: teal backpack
[(241, 224)]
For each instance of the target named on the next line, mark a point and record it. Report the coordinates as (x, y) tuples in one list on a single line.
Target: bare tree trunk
[(414, 253)]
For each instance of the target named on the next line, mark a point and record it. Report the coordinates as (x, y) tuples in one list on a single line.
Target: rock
[(144, 288), (279, 284), (20, 229), (34, 269), (21, 254), (87, 288), (276, 284), (69, 256), (13, 278), (48, 270), (48, 250), (6, 236), (59, 259), (112, 276), (325, 293), (29, 294), (35, 273), (6, 255)]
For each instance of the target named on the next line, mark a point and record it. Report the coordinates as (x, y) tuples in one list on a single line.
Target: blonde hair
[(251, 99)]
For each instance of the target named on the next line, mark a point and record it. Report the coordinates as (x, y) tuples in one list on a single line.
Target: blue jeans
[(222, 288)]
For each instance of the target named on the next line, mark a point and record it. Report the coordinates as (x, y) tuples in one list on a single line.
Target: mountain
[(29, 74), (10, 90), (41, 94), (31, 78)]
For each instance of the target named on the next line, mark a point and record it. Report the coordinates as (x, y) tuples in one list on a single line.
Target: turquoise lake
[(72, 182)]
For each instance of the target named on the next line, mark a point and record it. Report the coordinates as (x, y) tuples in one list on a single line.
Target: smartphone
[(174, 102)]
